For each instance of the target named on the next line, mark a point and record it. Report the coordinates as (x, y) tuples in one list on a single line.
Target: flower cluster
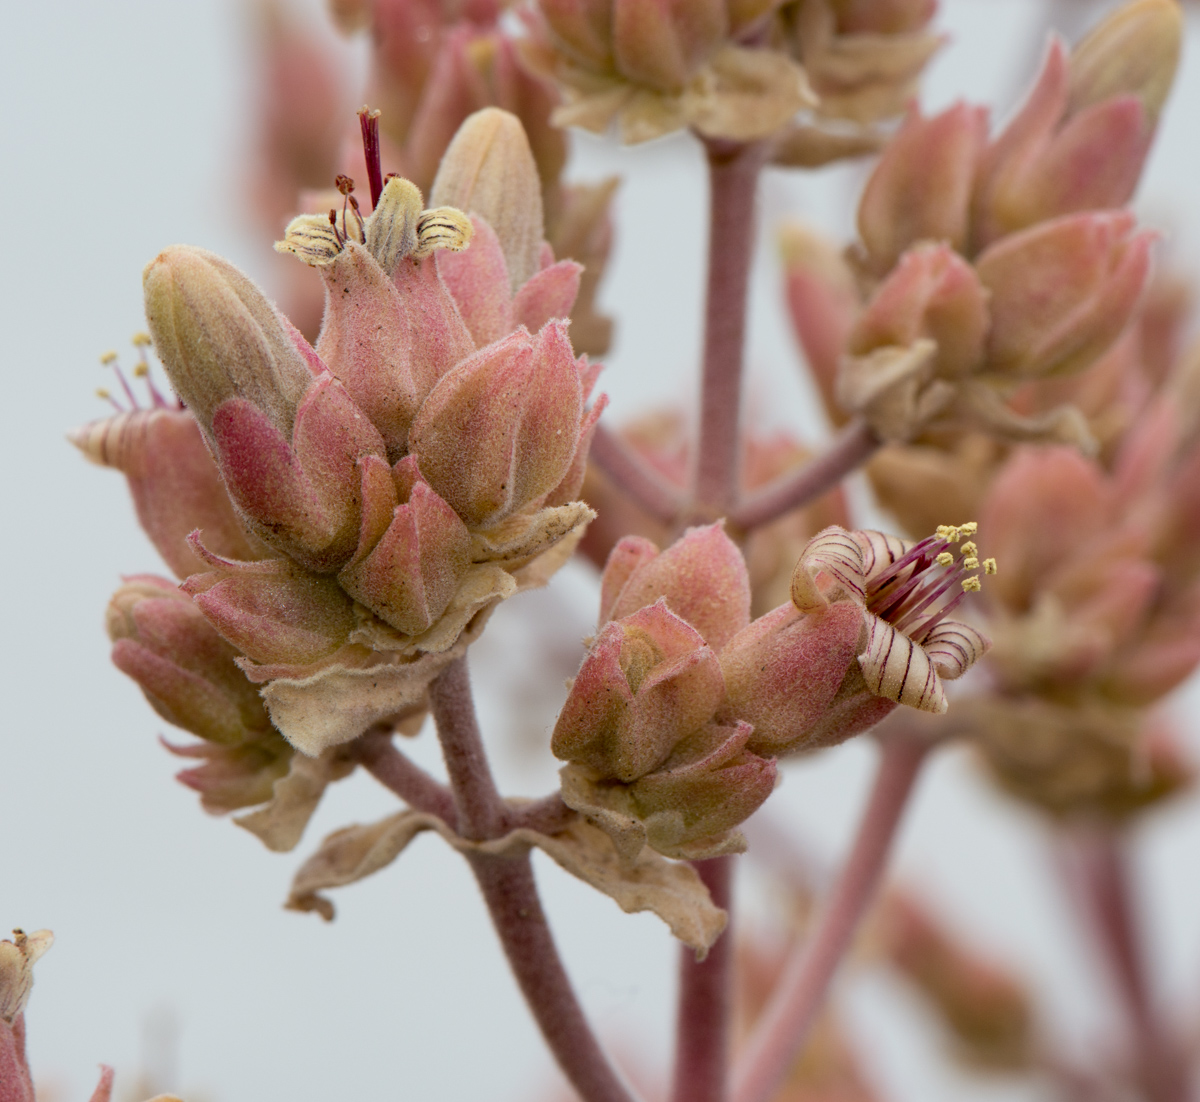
[(683, 702), (985, 263)]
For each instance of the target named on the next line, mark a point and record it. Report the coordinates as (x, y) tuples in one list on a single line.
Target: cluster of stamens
[(917, 591), (141, 370), (345, 186)]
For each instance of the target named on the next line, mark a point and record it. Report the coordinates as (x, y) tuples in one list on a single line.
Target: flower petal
[(954, 647), (835, 553), (896, 668)]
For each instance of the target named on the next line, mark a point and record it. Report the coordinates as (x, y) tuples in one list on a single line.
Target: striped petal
[(954, 647), (879, 551), (896, 668), (830, 567)]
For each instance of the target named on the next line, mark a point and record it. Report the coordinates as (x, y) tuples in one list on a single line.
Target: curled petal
[(880, 550), (896, 668), (954, 647), (832, 559)]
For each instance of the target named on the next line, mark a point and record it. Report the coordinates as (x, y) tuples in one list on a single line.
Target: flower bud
[(1062, 292), (647, 683), (17, 958), (175, 484), (272, 610), (921, 187), (702, 575), (931, 293), (489, 170), (229, 778), (582, 28), (1133, 52), (515, 409), (709, 785), (660, 43), (184, 668), (219, 338), (783, 671), (410, 575)]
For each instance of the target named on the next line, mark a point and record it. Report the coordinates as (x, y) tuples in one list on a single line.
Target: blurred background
[(127, 126)]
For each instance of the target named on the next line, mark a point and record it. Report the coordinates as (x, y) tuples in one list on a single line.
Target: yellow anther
[(944, 559), (140, 371), (972, 584), (142, 340), (109, 357), (969, 529), (970, 563), (989, 566), (968, 548), (101, 392), (947, 532)]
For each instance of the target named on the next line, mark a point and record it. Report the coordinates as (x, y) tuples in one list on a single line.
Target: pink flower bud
[(648, 682), (702, 575), (303, 497), (514, 408), (186, 670), (783, 671), (477, 279), (229, 778), (921, 187), (1062, 292), (932, 292), (384, 346), (273, 611), (219, 338), (410, 575), (660, 43), (174, 482), (709, 785)]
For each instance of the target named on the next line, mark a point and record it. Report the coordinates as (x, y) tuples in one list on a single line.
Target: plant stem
[(705, 1003), (637, 481), (409, 781), (733, 172), (785, 1024), (511, 895), (852, 447), (1162, 1070)]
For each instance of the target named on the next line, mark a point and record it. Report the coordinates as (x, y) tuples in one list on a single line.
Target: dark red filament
[(369, 122)]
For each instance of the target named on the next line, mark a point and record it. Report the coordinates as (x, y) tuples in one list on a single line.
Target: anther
[(944, 559), (989, 566), (141, 371), (972, 584), (969, 529), (142, 340), (970, 563), (109, 357), (968, 548)]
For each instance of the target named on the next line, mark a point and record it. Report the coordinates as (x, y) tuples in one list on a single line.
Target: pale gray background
[(122, 128)]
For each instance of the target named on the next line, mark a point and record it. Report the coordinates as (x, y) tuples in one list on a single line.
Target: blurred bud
[(987, 1010), (410, 575), (702, 575), (184, 668), (219, 338), (175, 484), (931, 293), (783, 671), (515, 408), (822, 301), (647, 682), (17, 958), (1062, 292), (921, 187), (1133, 52), (660, 43), (272, 610), (489, 170), (229, 778), (582, 28)]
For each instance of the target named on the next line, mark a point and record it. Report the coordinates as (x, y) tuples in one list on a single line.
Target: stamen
[(362, 226), (989, 566), (336, 232), (105, 395), (970, 528), (970, 563), (944, 559), (109, 359), (968, 548), (368, 122), (972, 585)]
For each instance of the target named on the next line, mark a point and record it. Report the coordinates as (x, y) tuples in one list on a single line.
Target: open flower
[(905, 592)]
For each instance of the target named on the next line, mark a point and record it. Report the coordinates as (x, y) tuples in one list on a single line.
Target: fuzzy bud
[(17, 958), (660, 43)]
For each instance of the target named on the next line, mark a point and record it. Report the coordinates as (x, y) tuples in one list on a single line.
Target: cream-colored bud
[(1135, 51), (17, 958), (489, 170), (392, 228)]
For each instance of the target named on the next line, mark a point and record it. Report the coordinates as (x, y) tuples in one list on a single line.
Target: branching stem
[(511, 895), (788, 1018), (394, 770), (633, 477)]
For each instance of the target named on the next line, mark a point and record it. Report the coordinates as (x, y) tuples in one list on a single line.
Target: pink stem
[(408, 780), (852, 447), (633, 477), (1110, 899), (733, 172), (511, 895), (785, 1024), (705, 1004)]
